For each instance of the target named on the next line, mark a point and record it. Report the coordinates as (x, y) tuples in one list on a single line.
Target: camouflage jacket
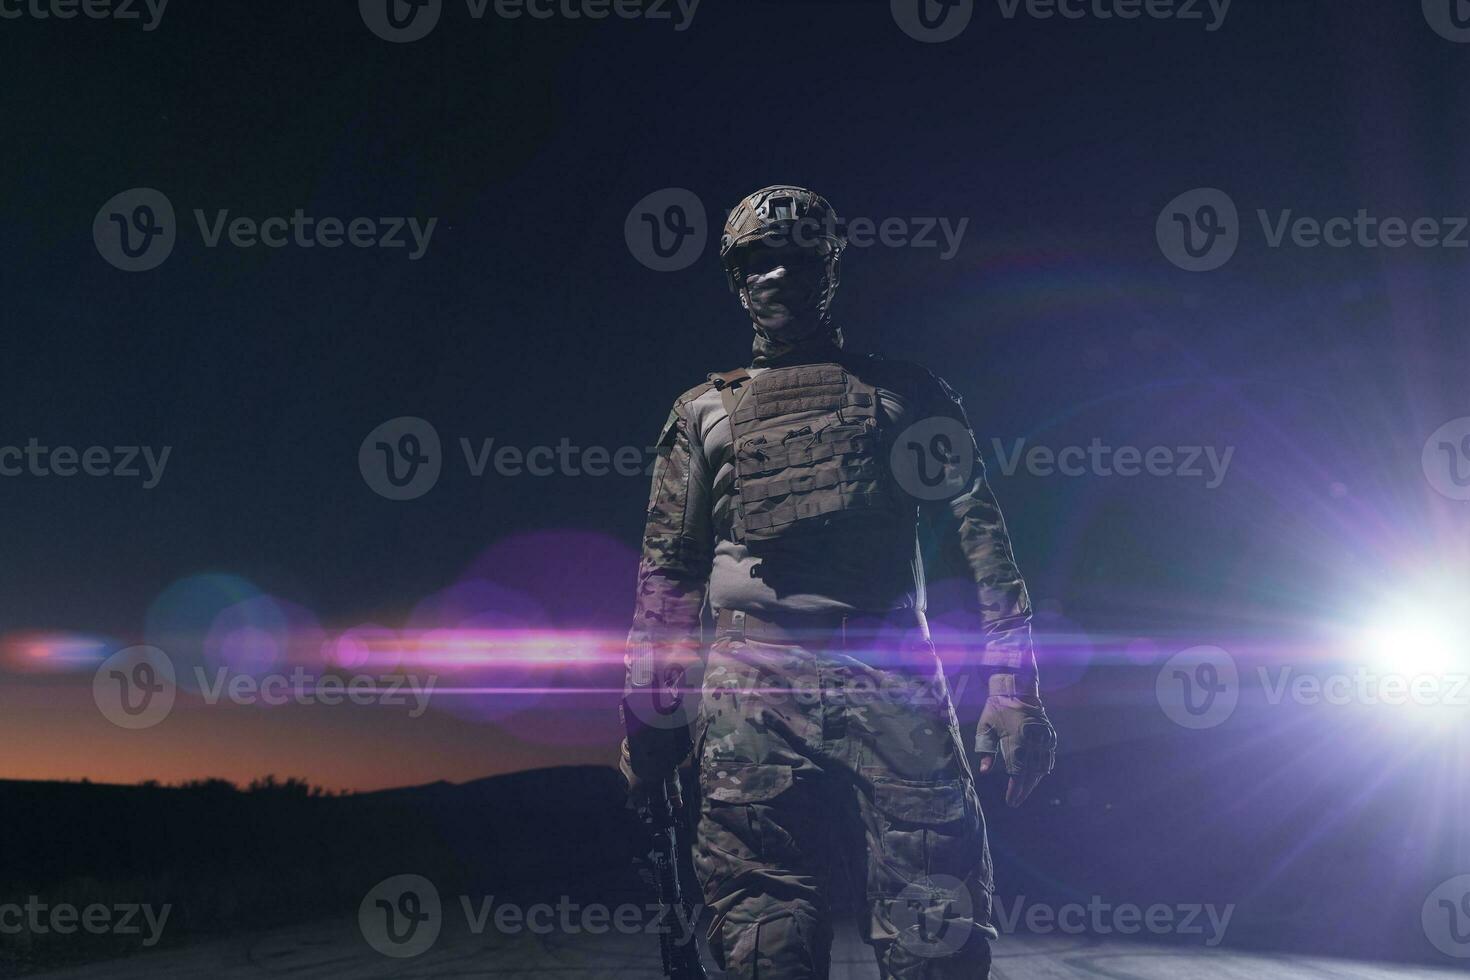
[(687, 554)]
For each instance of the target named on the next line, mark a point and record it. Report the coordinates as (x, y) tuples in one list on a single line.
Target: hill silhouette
[(1163, 820), (228, 859)]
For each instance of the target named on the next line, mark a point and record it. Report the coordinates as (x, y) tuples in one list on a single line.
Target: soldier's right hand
[(655, 713)]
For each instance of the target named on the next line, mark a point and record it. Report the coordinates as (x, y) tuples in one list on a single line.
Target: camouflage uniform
[(808, 759), (825, 730), (830, 745)]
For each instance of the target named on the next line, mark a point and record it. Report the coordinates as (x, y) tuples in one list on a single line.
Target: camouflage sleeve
[(678, 545), (973, 520)]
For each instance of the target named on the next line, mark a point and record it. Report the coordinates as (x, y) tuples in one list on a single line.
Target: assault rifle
[(680, 959)]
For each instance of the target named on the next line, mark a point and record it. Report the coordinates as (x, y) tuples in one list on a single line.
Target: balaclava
[(782, 253)]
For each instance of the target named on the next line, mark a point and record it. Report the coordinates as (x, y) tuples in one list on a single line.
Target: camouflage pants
[(811, 761)]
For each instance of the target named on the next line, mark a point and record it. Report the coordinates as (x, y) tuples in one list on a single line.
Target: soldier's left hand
[(1014, 726)]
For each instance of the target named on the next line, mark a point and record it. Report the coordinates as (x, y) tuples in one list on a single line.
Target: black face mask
[(788, 292), (787, 302)]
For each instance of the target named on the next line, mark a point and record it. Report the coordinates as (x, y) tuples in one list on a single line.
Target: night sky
[(529, 319)]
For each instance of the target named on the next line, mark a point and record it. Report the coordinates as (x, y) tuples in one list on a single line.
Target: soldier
[(790, 496)]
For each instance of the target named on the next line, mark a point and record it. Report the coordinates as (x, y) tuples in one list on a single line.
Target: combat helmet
[(782, 211)]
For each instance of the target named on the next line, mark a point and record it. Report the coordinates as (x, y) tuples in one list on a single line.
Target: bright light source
[(1425, 634), (1419, 643)]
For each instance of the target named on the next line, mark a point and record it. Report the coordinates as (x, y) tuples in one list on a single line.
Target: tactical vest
[(808, 459)]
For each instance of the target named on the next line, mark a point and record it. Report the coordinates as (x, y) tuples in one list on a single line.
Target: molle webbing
[(806, 447)]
